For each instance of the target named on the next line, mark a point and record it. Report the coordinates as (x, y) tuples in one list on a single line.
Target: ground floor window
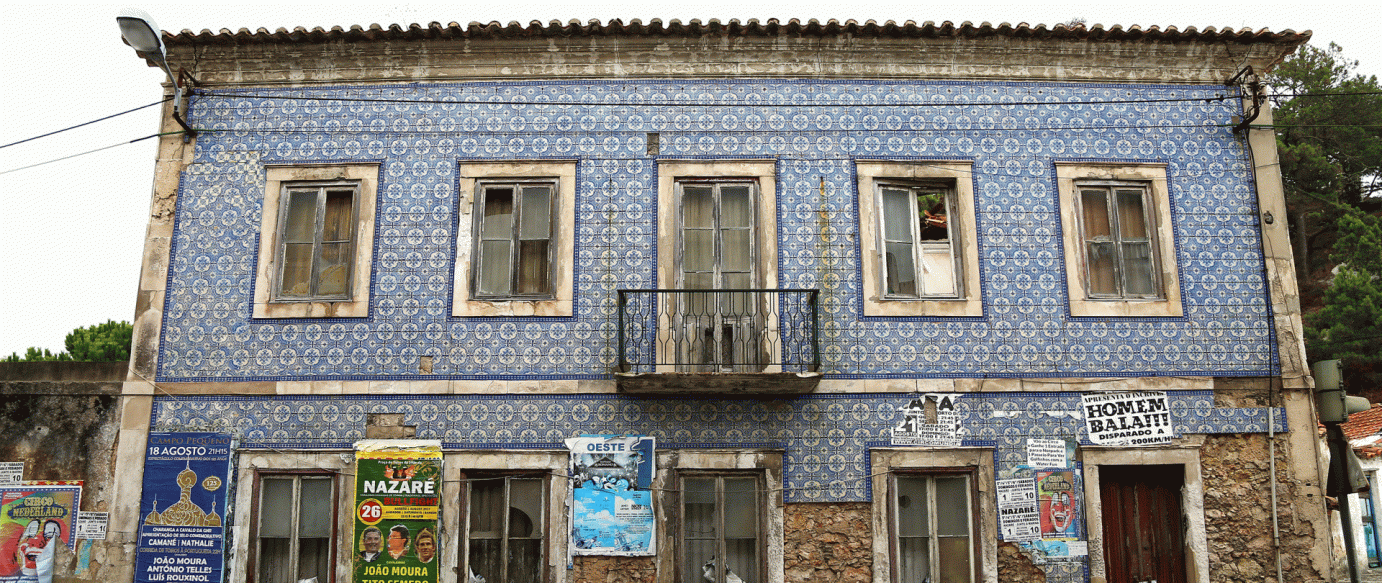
[(504, 539), (933, 521), (295, 521), (721, 525)]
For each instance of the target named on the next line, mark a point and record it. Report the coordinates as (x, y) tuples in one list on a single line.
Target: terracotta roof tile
[(735, 27), (1364, 424)]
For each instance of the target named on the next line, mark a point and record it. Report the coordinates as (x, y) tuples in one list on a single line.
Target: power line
[(84, 124), (85, 153)]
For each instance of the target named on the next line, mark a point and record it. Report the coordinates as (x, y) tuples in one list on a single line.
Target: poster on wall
[(611, 501), (397, 496), (1128, 418), (1018, 510), (929, 420), (1058, 504), (181, 529), (35, 517)]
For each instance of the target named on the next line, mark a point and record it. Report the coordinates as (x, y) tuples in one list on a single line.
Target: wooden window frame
[(285, 201), (894, 535), (761, 526), (252, 569), (947, 190), (548, 530), (1117, 238), (482, 188)]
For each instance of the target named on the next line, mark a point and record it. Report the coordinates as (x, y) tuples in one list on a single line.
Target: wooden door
[(1144, 532)]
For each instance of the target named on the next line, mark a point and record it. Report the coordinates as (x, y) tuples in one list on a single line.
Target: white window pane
[(300, 220), (735, 210), (494, 267), (915, 560), (735, 250), (498, 218), (532, 267), (697, 207), (897, 214), (314, 509), (741, 558), (698, 250), (276, 508), (1138, 269), (741, 507), (952, 506), (1094, 205), (537, 211), (901, 270), (937, 269), (912, 518)]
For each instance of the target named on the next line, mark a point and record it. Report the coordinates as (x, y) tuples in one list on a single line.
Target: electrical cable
[(86, 123)]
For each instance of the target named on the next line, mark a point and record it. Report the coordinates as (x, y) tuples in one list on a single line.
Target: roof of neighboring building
[(1363, 424), (752, 27)]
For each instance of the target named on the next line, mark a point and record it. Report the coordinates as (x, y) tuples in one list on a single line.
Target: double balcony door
[(720, 329)]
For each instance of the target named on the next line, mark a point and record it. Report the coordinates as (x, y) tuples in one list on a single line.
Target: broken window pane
[(318, 224), (505, 539), (918, 258), (720, 529), (1120, 260), (295, 520), (933, 515)]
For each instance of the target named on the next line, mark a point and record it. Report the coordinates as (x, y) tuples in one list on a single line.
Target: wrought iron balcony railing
[(718, 331)]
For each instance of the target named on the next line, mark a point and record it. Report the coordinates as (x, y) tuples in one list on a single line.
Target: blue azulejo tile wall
[(1013, 133), (827, 438)]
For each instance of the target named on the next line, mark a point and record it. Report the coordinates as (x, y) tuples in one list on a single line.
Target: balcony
[(718, 342)]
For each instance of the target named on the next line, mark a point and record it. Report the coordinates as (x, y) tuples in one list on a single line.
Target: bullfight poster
[(398, 487), (181, 525)]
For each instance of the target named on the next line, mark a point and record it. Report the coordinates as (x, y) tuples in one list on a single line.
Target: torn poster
[(1018, 511), (929, 420), (611, 505)]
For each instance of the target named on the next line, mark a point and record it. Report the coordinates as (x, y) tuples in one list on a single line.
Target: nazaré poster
[(398, 486), (181, 532), (611, 505), (35, 517)]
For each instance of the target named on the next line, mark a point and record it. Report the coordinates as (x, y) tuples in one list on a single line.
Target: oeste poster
[(611, 507), (398, 487), (35, 517), (181, 529)]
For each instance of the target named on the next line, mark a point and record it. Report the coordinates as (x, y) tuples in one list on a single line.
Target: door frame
[(1186, 453)]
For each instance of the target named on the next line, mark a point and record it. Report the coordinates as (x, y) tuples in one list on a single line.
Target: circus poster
[(181, 529), (35, 517)]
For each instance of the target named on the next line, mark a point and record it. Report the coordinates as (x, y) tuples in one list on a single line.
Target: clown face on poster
[(35, 517), (181, 529)]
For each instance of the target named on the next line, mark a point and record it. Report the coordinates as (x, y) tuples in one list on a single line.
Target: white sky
[(72, 232)]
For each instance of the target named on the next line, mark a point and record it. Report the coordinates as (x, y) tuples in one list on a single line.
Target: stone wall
[(828, 543), (613, 570), (62, 419), (1238, 514), (1015, 566)]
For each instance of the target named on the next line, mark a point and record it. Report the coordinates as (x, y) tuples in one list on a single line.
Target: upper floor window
[(294, 524), (513, 241), (1120, 262), (918, 252), (918, 238), (1119, 245), (316, 241), (516, 239), (316, 237)]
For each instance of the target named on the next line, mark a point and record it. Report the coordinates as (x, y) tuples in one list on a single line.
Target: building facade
[(1008, 303)]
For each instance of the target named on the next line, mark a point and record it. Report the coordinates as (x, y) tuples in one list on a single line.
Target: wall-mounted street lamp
[(138, 31)]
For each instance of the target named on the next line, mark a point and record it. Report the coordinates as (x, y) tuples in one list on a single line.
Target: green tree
[(1329, 136), (108, 342), (1349, 326)]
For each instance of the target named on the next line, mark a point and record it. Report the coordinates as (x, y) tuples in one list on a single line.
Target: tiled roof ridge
[(751, 27)]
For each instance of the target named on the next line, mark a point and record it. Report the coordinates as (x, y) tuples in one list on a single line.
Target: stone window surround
[(1185, 452), (1154, 176), (673, 463), (252, 465), (976, 460), (265, 306), (548, 462), (962, 228), (563, 172)]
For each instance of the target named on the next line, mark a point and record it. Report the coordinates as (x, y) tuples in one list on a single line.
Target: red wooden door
[(1144, 533)]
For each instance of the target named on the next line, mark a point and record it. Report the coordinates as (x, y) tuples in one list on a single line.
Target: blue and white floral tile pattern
[(1013, 133), (826, 437)]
